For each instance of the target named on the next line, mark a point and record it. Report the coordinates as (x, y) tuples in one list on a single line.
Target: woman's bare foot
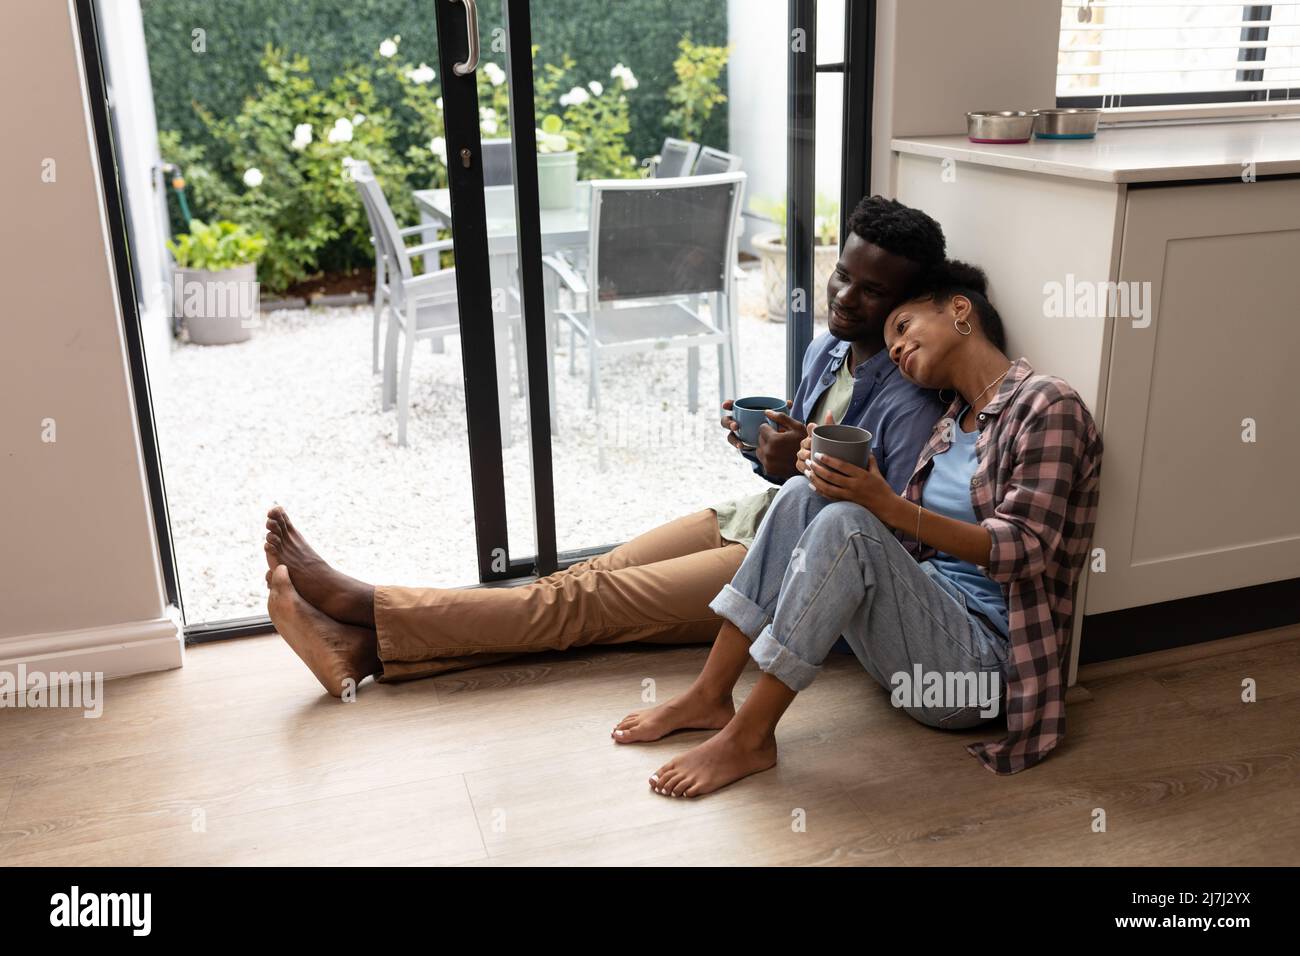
[(341, 597), (719, 761), (335, 653), (697, 709)]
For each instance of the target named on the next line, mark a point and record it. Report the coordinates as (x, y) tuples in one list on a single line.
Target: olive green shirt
[(739, 520)]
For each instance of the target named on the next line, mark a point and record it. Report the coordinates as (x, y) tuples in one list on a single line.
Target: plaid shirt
[(1035, 491)]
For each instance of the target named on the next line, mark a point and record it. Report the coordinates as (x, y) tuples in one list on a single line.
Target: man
[(657, 587)]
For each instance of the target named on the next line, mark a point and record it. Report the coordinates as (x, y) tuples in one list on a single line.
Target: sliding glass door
[(635, 192), (510, 256)]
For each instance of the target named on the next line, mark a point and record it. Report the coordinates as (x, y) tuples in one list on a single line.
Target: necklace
[(990, 385)]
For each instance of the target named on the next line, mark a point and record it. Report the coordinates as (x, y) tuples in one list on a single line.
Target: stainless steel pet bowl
[(999, 126), (1067, 124)]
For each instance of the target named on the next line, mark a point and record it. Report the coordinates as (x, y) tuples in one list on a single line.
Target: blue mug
[(750, 413)]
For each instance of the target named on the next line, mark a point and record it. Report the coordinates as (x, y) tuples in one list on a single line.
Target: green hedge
[(332, 34)]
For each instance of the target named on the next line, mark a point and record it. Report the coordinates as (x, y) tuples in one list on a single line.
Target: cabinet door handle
[(471, 27)]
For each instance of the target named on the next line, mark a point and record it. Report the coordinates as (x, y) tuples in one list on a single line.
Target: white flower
[(342, 131), (302, 134), (489, 127), (438, 146), (421, 74), (487, 120), (438, 102), (620, 72), (494, 73), (358, 119), (389, 47), (575, 97), (253, 177), (595, 87)]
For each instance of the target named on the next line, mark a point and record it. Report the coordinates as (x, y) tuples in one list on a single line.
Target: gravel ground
[(293, 417)]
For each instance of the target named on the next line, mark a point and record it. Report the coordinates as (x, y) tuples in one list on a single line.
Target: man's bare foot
[(341, 597), (694, 710), (719, 761), (334, 652)]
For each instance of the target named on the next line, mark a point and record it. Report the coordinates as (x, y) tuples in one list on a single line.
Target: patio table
[(561, 229)]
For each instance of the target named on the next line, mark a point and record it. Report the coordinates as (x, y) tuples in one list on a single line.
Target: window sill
[(1199, 112)]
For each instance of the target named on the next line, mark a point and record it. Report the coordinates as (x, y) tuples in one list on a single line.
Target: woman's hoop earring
[(957, 324), (949, 400)]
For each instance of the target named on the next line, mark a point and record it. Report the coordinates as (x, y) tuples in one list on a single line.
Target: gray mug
[(846, 442), (750, 413)]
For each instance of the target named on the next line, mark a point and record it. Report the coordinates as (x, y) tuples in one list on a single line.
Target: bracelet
[(918, 526)]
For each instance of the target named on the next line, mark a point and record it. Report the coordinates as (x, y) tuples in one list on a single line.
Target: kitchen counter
[(1136, 155)]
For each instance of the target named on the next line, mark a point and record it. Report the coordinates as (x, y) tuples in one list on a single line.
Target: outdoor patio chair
[(676, 157), (419, 305), (652, 240), (362, 170), (712, 161)]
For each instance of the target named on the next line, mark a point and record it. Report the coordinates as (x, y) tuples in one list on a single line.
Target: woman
[(970, 574)]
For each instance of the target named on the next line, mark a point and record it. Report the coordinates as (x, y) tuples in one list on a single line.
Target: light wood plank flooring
[(239, 758)]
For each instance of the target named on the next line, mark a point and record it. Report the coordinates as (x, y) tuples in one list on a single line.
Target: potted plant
[(557, 165), (771, 250), (215, 289)]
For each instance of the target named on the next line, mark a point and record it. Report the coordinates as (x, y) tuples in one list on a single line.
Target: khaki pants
[(656, 588)]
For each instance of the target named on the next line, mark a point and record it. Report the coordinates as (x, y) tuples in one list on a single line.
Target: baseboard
[(1191, 652), (1128, 632), (118, 650)]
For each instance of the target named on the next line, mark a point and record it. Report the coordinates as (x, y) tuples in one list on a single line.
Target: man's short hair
[(899, 229)]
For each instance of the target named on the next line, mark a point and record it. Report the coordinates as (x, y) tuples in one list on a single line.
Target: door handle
[(471, 27)]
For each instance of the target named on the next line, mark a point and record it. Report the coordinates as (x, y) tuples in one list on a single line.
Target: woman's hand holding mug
[(841, 480), (805, 446)]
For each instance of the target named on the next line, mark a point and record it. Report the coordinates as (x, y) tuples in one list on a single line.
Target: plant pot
[(218, 308), (772, 255), (557, 179)]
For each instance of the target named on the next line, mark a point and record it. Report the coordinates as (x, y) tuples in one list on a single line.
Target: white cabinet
[(1208, 359), (1202, 462)]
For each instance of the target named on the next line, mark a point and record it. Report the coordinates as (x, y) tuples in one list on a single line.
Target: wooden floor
[(239, 758)]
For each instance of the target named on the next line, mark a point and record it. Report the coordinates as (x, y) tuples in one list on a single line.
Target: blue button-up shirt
[(900, 416)]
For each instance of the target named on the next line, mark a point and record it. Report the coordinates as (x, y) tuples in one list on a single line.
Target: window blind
[(1144, 52)]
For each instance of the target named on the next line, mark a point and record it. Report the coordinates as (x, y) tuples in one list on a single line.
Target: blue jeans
[(820, 569)]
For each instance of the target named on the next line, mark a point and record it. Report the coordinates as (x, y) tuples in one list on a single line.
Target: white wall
[(935, 60), (938, 59), (79, 563)]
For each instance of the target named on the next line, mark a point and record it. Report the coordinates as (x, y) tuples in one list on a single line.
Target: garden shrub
[(265, 140)]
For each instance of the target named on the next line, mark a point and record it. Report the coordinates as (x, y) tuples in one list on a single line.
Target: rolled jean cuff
[(740, 611), (776, 659)]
